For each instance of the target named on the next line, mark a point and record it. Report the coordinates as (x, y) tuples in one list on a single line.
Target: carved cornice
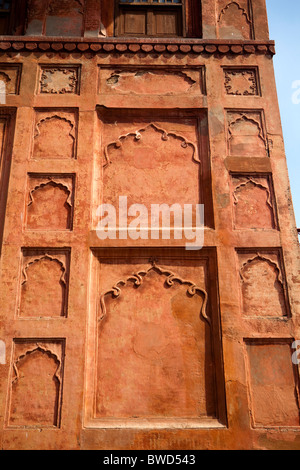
[(134, 45)]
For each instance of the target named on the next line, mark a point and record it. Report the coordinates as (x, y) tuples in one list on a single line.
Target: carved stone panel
[(50, 202), (263, 284), (150, 81), (241, 82), (152, 359), (10, 76), (55, 134), (36, 383), (155, 162), (59, 79), (246, 134), (234, 20), (44, 283), (253, 202), (274, 383)]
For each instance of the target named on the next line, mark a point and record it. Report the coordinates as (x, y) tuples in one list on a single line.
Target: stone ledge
[(134, 45)]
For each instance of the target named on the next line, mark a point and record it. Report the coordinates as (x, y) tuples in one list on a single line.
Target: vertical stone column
[(209, 19), (92, 23)]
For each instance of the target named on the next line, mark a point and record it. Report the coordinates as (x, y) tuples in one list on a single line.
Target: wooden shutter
[(162, 18)]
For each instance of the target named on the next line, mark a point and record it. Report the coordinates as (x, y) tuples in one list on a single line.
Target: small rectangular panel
[(36, 383), (148, 81), (59, 79), (153, 361), (241, 81), (44, 283), (263, 284), (273, 382)]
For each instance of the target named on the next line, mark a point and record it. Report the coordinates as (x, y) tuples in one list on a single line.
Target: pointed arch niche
[(44, 283), (36, 383), (160, 159), (234, 19)]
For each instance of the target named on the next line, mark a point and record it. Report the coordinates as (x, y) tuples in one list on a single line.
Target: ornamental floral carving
[(138, 136), (241, 82), (59, 80)]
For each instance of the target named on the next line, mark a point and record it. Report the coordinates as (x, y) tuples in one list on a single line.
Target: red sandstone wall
[(124, 344)]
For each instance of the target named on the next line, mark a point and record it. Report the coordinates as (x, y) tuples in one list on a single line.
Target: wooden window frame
[(150, 8)]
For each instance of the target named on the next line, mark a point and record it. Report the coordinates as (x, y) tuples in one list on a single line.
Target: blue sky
[(284, 25)]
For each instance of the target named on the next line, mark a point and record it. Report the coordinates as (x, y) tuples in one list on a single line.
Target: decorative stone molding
[(134, 46)]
